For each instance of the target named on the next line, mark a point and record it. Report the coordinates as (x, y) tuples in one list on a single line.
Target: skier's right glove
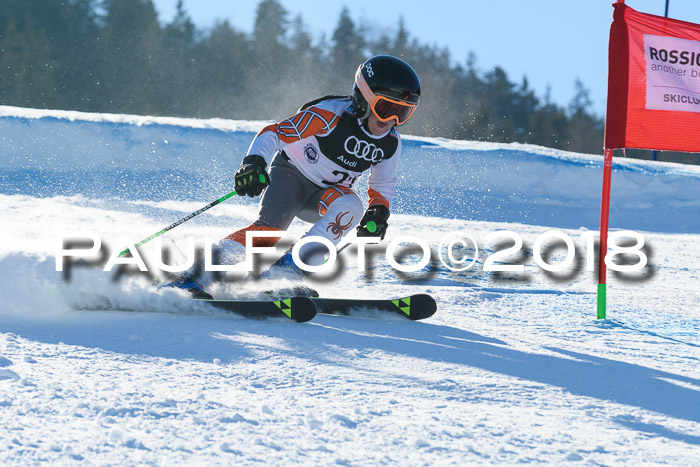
[(252, 178), (374, 222)]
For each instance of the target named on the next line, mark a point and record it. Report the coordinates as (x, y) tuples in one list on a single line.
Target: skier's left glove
[(374, 222), (252, 178)]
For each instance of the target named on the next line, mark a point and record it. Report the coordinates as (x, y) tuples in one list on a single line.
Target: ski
[(414, 307), (299, 309)]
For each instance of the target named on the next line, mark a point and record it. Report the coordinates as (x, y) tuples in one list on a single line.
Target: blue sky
[(552, 42)]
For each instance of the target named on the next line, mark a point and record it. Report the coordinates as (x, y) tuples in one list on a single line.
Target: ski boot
[(184, 281), (285, 269)]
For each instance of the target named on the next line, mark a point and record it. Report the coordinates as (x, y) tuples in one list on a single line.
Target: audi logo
[(363, 150)]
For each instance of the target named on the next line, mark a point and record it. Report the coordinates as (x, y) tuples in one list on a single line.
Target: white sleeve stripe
[(289, 125)]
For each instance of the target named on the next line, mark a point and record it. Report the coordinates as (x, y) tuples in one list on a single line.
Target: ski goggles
[(384, 108), (387, 109)]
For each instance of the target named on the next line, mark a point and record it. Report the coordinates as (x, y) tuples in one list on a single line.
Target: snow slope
[(513, 368)]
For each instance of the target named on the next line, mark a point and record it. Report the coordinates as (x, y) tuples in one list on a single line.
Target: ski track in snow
[(513, 368)]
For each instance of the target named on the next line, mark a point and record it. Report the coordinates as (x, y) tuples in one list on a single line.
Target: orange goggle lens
[(386, 109)]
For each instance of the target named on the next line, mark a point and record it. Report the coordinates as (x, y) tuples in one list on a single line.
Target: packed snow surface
[(514, 367)]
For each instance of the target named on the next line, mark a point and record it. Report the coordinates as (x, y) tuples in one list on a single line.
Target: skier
[(314, 159)]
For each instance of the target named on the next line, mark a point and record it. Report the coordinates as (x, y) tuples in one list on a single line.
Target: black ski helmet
[(388, 76)]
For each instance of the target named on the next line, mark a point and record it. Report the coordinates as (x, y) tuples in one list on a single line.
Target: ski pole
[(371, 227), (181, 221)]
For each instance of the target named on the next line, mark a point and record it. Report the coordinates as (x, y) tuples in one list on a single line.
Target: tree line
[(116, 56)]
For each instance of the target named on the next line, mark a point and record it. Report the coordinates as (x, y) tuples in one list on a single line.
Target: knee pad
[(341, 211), (342, 214), (342, 199), (348, 206), (330, 196), (240, 236)]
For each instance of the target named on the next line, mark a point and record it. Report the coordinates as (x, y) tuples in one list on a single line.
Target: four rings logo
[(364, 150), (370, 72)]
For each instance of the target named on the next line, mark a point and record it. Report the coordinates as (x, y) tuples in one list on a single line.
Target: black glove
[(252, 178), (374, 222)]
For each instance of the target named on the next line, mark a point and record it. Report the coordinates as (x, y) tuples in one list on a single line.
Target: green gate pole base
[(601, 301)]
